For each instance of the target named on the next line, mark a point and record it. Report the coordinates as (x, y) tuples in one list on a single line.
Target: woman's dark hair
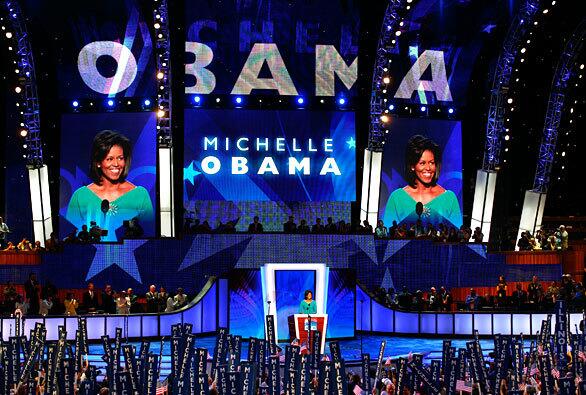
[(102, 144), (415, 148), (307, 292)]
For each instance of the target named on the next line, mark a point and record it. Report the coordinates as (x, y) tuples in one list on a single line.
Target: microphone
[(105, 206), (418, 208)]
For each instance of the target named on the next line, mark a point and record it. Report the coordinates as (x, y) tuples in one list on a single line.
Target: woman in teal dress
[(110, 199), (422, 168), (308, 305)]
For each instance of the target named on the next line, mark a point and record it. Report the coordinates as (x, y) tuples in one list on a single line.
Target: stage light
[(384, 118), (321, 101), (507, 137), (160, 75), (522, 60), (523, 50), (18, 89), (197, 99), (24, 146), (23, 133), (392, 107), (147, 102), (161, 113), (545, 11), (75, 103), (535, 23), (341, 101), (398, 33), (401, 23), (8, 35), (509, 100), (582, 67), (16, 71), (386, 80), (300, 100), (423, 108), (110, 103), (564, 153), (218, 100), (238, 100), (157, 25), (450, 110)]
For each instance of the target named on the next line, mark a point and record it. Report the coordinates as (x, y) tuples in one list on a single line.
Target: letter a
[(438, 84), (249, 80)]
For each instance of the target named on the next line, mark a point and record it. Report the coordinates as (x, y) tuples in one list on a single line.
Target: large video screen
[(108, 174), (422, 152), (287, 48), (253, 155), (102, 48)]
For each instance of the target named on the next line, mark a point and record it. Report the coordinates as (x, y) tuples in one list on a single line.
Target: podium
[(318, 322)]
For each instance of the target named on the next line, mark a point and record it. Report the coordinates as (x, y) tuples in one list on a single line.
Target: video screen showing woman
[(110, 202)]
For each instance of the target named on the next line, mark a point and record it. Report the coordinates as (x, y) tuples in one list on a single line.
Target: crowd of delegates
[(533, 297), (44, 300), (442, 233), (544, 240)]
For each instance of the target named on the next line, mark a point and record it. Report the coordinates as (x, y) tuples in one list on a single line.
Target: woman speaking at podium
[(308, 305)]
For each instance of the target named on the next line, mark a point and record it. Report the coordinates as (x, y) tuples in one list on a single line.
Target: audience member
[(472, 300), (255, 226), (31, 292), (290, 226), (317, 227), (24, 245), (9, 247), (71, 304), (122, 303), (109, 300), (330, 226), (381, 230), (4, 230), (303, 227), (46, 305), (477, 236), (90, 299), (180, 300), (534, 290), (562, 238), (163, 296), (132, 299), (83, 236), (152, 300)]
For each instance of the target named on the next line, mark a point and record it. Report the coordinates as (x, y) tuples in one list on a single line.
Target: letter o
[(125, 71), (211, 165)]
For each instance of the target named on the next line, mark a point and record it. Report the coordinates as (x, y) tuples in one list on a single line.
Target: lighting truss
[(500, 86), (555, 105), (163, 58)]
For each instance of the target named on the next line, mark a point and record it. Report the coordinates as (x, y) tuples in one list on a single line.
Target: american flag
[(357, 390), (326, 357), (161, 389), (540, 349), (388, 361), (461, 386), (581, 356), (534, 371), (555, 373)]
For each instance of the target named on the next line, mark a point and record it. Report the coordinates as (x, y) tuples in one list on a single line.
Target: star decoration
[(189, 173), (121, 255), (351, 143), (488, 28)]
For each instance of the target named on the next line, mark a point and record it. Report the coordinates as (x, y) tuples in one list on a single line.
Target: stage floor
[(396, 347)]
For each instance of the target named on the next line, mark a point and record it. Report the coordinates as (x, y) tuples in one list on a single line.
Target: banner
[(252, 350), (401, 376), (274, 380), (424, 377), (446, 345), (501, 363), (316, 349), (435, 371), (335, 350), (561, 333), (248, 372), (324, 378), (339, 382), (566, 386), (454, 376), (202, 387), (131, 367), (67, 377), (365, 365), (379, 361), (152, 363), (462, 360), (175, 359), (476, 366), (234, 383), (304, 374), (201, 357), (182, 384), (270, 334)]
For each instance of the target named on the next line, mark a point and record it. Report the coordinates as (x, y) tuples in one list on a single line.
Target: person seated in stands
[(132, 229), (330, 226), (9, 247), (122, 303), (381, 230), (71, 304), (366, 228), (317, 227), (152, 300), (169, 304), (24, 245), (434, 300), (109, 300), (343, 227), (290, 226), (163, 296), (534, 290), (446, 299), (550, 244), (477, 236), (31, 292), (4, 230), (303, 228), (519, 296), (391, 297), (45, 306), (83, 236), (523, 242), (404, 299), (453, 235), (133, 299), (20, 305), (567, 287), (180, 299), (429, 231), (255, 226), (10, 297), (418, 300), (472, 300), (418, 230), (90, 299), (38, 247), (230, 227), (53, 243), (562, 238), (501, 290), (393, 230), (552, 293)]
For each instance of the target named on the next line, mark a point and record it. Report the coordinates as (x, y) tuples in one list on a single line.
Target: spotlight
[(582, 66), (423, 108), (75, 104), (545, 11), (147, 102), (157, 25), (110, 103), (197, 99), (450, 110), (23, 133), (300, 100), (238, 100), (507, 137), (384, 118), (523, 50), (386, 80), (18, 89), (8, 35), (341, 101), (392, 107), (218, 99), (509, 100), (161, 113), (398, 33), (564, 153), (160, 75)]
